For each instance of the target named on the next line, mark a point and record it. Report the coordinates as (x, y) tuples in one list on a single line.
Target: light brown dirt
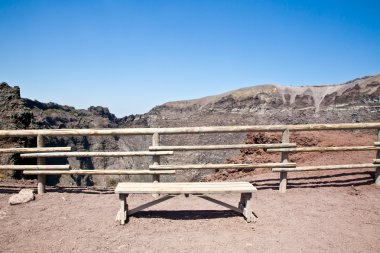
[(321, 212), (329, 211)]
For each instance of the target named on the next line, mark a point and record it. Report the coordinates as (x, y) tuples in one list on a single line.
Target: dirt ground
[(321, 212), (324, 211)]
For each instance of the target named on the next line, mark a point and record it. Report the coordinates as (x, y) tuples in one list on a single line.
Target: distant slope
[(354, 101), (291, 94)]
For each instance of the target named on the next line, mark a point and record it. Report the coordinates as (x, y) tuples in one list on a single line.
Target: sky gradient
[(132, 55)]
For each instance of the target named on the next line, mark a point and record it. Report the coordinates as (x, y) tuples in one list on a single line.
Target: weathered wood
[(221, 203), (241, 203), (376, 161), (97, 154), (98, 172), (33, 150), (284, 159), (187, 188), (155, 139), (156, 158), (323, 149), (123, 209), (41, 179), (221, 166), (182, 188), (149, 204), (247, 207), (217, 147), (35, 167), (377, 143), (185, 130), (328, 167), (377, 172)]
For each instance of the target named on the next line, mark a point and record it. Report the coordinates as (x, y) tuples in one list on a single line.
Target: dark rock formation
[(14, 113)]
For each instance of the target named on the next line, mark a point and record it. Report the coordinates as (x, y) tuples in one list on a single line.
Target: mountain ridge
[(282, 89)]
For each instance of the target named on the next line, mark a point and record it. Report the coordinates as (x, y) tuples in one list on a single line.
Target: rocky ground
[(321, 212)]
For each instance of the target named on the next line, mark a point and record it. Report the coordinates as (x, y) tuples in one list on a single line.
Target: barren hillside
[(354, 101)]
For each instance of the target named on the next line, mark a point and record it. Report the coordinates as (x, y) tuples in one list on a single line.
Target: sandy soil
[(321, 212)]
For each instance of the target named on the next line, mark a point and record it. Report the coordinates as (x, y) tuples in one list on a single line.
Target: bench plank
[(182, 188)]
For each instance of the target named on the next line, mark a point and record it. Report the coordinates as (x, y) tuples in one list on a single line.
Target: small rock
[(25, 195)]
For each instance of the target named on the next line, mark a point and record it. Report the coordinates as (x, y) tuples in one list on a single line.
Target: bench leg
[(156, 179), (245, 205), (242, 202), (283, 181), (377, 176), (123, 212)]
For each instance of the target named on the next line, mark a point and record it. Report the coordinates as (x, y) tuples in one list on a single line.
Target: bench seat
[(197, 188), (185, 188)]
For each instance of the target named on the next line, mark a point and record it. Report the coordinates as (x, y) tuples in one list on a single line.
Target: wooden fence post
[(377, 173), (284, 159), (41, 161), (156, 158)]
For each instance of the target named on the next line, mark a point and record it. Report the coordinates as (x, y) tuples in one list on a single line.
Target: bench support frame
[(244, 207)]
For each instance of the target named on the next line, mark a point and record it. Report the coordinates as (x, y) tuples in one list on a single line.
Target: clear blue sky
[(132, 55)]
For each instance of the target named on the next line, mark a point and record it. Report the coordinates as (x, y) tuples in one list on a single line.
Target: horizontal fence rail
[(97, 154), (324, 149), (35, 167), (328, 167), (100, 172), (186, 130), (221, 166), (217, 147), (33, 150)]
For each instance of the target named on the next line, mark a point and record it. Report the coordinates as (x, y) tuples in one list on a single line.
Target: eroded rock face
[(13, 112), (24, 196)]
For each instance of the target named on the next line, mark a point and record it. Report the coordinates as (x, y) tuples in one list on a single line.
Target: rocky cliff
[(354, 101)]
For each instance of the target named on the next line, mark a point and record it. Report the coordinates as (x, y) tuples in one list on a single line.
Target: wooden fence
[(156, 150)]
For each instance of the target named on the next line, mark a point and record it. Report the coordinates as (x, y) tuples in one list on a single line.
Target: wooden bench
[(196, 188)]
